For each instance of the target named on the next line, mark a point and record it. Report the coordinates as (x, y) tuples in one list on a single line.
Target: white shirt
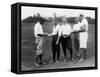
[(76, 27), (84, 24), (56, 29), (66, 29), (38, 29)]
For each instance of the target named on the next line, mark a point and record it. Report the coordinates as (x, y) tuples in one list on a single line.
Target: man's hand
[(57, 42), (83, 27), (75, 31), (45, 33), (49, 34)]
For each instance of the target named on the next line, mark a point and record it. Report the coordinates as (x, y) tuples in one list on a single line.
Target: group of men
[(62, 37)]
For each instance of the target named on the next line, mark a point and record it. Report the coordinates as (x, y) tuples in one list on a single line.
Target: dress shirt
[(84, 24), (38, 29), (56, 29), (66, 29), (76, 27)]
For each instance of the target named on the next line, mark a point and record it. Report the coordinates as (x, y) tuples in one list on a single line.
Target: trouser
[(55, 48), (83, 44), (39, 59), (66, 44), (76, 45), (82, 53), (39, 50)]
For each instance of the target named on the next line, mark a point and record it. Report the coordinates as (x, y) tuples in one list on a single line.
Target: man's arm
[(81, 29), (59, 35), (84, 26), (54, 32), (57, 42), (44, 34)]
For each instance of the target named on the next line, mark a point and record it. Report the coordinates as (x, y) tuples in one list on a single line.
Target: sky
[(47, 12)]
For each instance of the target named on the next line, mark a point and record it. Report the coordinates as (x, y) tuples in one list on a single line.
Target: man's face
[(64, 21), (38, 15), (60, 23), (81, 18), (54, 22), (76, 20)]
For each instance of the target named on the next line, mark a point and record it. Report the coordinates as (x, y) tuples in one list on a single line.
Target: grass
[(28, 44)]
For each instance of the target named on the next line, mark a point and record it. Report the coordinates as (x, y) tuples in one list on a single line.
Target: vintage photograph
[(57, 38)]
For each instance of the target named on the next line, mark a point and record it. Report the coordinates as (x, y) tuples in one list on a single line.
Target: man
[(83, 36), (66, 38), (38, 32), (56, 40)]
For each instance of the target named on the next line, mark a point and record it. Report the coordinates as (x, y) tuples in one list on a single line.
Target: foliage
[(34, 19)]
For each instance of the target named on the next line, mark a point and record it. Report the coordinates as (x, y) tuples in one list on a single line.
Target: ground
[(28, 45), (62, 64)]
